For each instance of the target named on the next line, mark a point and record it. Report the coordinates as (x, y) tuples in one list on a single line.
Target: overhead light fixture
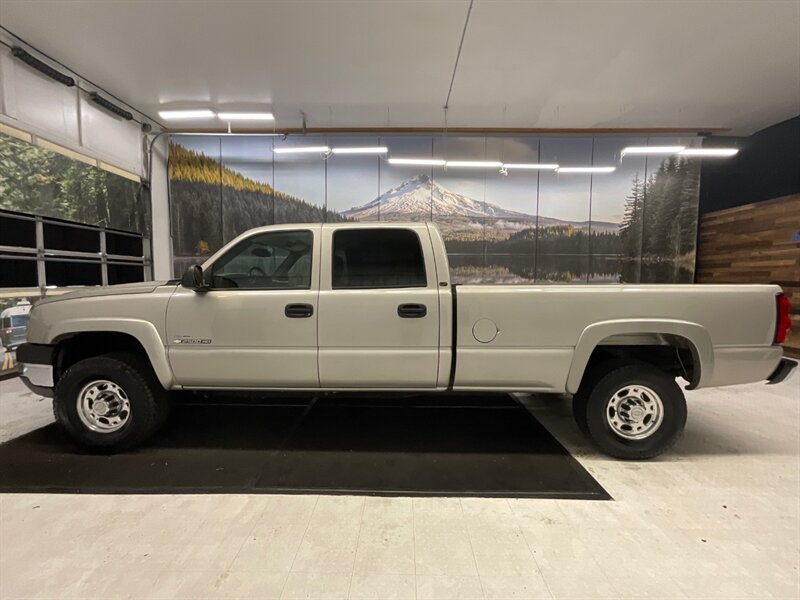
[(586, 169), (652, 150), (186, 114), (538, 166), (301, 150), (42, 67), (474, 164), (110, 107), (709, 152), (426, 162), (364, 150), (246, 116)]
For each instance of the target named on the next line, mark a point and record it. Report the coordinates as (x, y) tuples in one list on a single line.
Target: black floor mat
[(465, 445)]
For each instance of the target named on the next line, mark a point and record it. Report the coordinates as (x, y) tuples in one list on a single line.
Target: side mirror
[(193, 279)]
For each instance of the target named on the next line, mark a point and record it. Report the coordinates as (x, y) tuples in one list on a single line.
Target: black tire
[(614, 444), (580, 399), (149, 403)]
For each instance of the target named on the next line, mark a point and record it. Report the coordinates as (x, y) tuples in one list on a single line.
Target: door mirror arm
[(194, 280)]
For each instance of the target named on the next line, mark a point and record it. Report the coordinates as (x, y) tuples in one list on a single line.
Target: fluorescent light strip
[(586, 169), (301, 150), (652, 150), (365, 150), (186, 114), (709, 152), (246, 116), (541, 166), (473, 164), (428, 162)]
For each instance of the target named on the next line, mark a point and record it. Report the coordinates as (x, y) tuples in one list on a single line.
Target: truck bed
[(545, 333)]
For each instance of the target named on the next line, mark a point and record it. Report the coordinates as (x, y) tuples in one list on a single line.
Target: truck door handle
[(298, 311), (412, 311)]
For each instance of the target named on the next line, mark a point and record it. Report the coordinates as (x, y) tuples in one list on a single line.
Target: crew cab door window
[(377, 258), (266, 261)]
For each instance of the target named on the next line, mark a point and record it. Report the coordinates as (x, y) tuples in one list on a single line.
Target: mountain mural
[(422, 198)]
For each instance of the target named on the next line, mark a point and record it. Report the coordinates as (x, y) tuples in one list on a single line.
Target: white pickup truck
[(369, 307)]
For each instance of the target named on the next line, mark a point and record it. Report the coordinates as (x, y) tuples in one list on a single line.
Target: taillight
[(784, 323)]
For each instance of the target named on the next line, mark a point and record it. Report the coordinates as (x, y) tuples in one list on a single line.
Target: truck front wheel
[(634, 412), (109, 403)]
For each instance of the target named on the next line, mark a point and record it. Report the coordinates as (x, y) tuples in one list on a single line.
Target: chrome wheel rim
[(103, 406), (635, 412)]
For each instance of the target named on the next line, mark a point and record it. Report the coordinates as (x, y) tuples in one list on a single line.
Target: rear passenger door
[(378, 308)]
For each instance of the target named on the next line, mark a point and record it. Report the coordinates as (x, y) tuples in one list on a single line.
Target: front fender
[(144, 331), (591, 337)]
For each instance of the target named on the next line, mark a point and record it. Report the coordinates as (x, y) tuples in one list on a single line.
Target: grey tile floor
[(717, 517)]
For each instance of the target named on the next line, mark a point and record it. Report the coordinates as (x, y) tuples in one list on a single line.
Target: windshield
[(19, 320)]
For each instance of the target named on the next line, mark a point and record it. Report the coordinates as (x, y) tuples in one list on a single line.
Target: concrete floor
[(718, 517)]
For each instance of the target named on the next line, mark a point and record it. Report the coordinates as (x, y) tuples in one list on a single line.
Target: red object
[(784, 323)]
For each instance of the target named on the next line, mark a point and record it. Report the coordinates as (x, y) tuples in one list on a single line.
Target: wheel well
[(672, 354), (79, 346)]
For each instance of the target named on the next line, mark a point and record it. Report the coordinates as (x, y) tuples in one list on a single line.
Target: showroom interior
[(540, 262)]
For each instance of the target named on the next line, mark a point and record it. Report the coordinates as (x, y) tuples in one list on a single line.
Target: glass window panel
[(68, 273), (195, 198), (467, 268), (460, 191), (17, 232), (377, 258), (42, 182), (405, 189), (458, 194), (74, 239), (247, 193), (353, 179), (299, 181), (562, 245), (18, 272), (669, 216), (275, 260), (124, 273), (124, 245), (509, 268), (616, 205)]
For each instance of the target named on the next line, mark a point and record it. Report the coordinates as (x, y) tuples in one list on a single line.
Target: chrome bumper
[(39, 375), (36, 364)]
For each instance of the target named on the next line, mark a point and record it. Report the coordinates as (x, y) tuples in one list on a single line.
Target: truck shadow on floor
[(413, 445)]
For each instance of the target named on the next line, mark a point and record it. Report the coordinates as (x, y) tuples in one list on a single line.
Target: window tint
[(274, 260), (377, 258)]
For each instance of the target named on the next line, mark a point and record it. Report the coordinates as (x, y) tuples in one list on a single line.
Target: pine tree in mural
[(213, 203), (630, 230), (660, 221), (42, 182)]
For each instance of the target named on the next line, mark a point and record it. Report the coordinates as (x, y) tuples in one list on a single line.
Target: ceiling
[(345, 63)]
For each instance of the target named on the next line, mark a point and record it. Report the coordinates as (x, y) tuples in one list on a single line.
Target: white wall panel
[(114, 140), (32, 98), (32, 102), (159, 199)]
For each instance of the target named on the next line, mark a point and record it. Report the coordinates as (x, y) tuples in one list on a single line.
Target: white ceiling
[(540, 64)]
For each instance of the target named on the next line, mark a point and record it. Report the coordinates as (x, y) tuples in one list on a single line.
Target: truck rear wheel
[(110, 403), (633, 412)]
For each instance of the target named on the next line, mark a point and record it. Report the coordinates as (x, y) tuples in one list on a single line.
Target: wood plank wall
[(754, 244)]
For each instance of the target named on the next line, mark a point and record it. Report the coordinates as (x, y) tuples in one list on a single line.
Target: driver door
[(256, 327)]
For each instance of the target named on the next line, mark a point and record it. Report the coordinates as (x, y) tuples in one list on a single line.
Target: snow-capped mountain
[(421, 197), (413, 198)]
